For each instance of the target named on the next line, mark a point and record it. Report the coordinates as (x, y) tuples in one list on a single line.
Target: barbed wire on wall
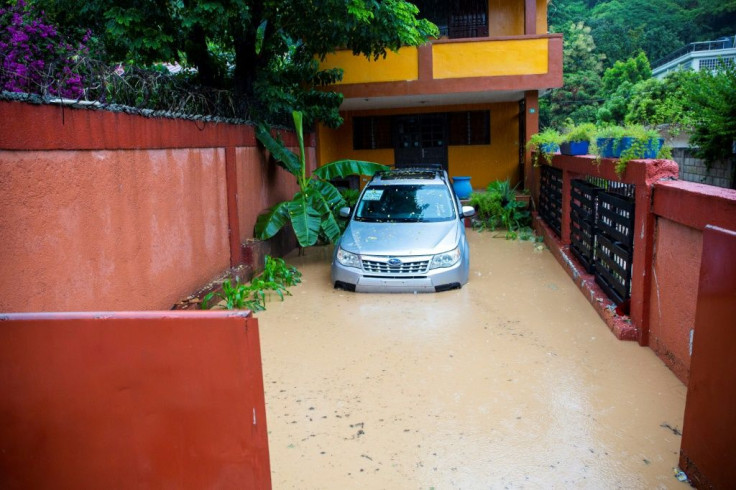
[(150, 92)]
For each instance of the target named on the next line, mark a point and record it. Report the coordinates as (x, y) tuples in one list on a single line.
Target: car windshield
[(405, 203)]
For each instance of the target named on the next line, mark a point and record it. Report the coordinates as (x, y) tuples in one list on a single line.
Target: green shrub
[(276, 277), (497, 207)]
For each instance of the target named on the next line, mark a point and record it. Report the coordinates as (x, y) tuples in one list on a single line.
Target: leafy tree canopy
[(265, 49), (622, 28), (713, 97), (579, 96)]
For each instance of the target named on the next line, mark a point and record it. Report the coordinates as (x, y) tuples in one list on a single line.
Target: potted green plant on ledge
[(608, 141), (577, 139), (545, 143), (638, 143)]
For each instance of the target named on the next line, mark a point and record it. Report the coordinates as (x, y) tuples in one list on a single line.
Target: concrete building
[(468, 100), (706, 55)]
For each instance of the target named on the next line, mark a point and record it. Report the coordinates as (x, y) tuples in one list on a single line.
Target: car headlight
[(348, 259), (447, 259)]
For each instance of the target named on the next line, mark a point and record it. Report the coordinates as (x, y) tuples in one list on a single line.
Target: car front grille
[(379, 267)]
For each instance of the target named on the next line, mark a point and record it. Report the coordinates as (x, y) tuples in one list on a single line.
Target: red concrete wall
[(112, 211), (708, 449), (132, 400), (682, 211), (673, 298), (113, 230)]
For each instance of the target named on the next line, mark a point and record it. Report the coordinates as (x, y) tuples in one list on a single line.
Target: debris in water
[(680, 475), (674, 430)]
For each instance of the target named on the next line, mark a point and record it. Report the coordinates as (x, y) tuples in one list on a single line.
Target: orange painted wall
[(132, 400), (683, 209), (675, 275), (484, 163), (111, 230), (505, 18), (111, 211)]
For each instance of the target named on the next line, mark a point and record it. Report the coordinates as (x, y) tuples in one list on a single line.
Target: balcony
[(451, 71)]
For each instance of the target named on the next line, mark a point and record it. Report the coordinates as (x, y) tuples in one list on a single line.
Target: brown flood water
[(511, 382)]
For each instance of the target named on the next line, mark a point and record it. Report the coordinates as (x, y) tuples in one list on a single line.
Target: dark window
[(470, 128), (456, 18), (372, 133)]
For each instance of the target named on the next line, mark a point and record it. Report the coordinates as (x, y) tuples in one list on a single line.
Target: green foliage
[(632, 70), (621, 34), (265, 50), (620, 83), (276, 277), (312, 209), (622, 28), (713, 98), (544, 143), (667, 101), (276, 270), (578, 98), (497, 207), (580, 132)]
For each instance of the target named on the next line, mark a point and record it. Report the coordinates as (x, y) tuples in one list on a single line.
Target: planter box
[(608, 147), (549, 148), (612, 148), (650, 151), (575, 148)]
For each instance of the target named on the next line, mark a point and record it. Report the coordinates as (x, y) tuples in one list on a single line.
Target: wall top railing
[(719, 44)]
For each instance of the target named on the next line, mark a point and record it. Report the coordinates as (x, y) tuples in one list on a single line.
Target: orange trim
[(430, 86), (530, 16), (426, 62)]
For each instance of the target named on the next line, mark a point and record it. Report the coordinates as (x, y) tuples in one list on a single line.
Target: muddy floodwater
[(511, 382)]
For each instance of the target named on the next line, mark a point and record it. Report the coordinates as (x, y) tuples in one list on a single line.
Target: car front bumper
[(428, 282)]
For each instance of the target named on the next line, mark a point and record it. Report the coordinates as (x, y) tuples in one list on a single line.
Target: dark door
[(421, 139)]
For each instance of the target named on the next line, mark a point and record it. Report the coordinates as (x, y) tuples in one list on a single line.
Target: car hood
[(401, 238)]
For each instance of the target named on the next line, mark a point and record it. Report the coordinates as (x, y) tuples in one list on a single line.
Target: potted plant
[(608, 141), (577, 139), (546, 143), (638, 143)]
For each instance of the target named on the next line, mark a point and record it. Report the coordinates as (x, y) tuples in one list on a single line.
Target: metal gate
[(550, 198), (602, 233)]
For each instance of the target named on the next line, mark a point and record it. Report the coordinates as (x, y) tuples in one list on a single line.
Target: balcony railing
[(724, 43)]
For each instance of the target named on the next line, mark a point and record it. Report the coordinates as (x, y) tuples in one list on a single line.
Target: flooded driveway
[(511, 382)]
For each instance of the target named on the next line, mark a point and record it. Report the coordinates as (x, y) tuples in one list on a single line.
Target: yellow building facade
[(467, 100)]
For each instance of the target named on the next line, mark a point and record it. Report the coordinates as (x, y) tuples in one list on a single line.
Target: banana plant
[(311, 210)]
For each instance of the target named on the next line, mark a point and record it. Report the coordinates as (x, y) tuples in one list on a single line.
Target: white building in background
[(706, 55)]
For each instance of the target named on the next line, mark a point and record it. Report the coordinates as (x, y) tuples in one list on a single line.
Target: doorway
[(421, 139)]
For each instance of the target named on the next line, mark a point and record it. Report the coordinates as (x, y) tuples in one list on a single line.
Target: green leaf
[(284, 157), (343, 168), (270, 222), (260, 35), (305, 219)]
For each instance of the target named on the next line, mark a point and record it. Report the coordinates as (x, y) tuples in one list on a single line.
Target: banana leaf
[(270, 222), (343, 168), (284, 157)]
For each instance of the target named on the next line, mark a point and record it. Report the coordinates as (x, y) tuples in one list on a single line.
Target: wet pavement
[(511, 382)]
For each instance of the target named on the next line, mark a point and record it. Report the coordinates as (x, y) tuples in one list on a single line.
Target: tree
[(655, 102), (713, 97), (267, 50), (579, 97), (622, 28), (619, 84)]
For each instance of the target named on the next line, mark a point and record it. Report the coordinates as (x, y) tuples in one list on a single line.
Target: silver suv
[(406, 234)]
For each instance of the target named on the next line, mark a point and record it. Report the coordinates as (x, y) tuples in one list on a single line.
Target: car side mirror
[(344, 212), (468, 211)]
